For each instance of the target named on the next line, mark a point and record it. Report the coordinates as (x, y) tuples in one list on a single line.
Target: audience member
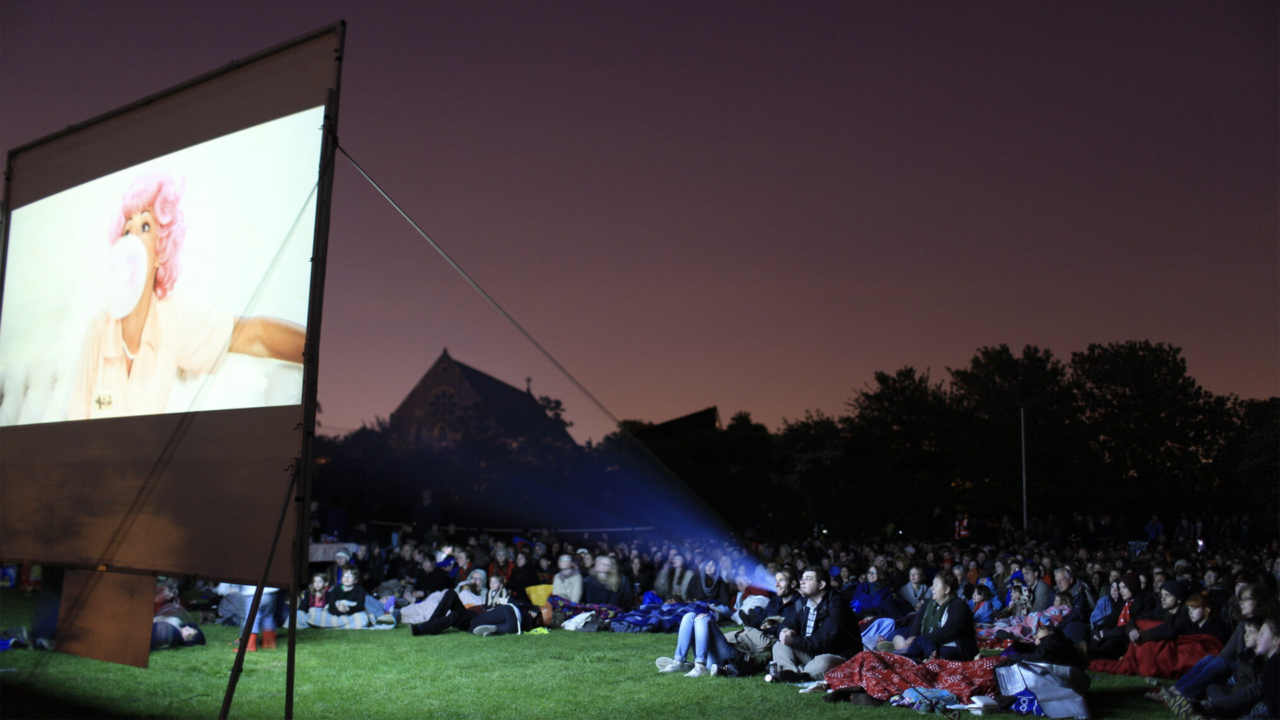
[(818, 636)]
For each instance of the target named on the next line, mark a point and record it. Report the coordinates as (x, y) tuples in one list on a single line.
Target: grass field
[(391, 674)]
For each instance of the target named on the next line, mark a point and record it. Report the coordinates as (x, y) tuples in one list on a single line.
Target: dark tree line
[(1119, 429)]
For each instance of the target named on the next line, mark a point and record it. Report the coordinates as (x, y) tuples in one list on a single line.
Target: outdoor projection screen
[(156, 284)]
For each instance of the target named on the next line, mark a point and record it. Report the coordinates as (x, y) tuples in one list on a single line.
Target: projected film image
[(180, 284)]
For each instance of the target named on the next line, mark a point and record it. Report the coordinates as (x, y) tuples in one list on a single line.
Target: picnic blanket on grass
[(1023, 627), (321, 618), (657, 617), (884, 675), (571, 608)]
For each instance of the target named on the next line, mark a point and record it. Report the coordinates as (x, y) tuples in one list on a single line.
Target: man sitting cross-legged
[(820, 634)]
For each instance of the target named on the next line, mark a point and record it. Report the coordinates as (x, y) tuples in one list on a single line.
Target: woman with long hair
[(673, 579), (605, 585), (707, 586)]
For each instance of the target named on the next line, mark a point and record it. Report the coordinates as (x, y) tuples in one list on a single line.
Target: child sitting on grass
[(348, 598)]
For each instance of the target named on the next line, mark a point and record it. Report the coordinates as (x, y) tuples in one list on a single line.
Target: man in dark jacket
[(784, 601), (1171, 614), (818, 635), (1065, 581)]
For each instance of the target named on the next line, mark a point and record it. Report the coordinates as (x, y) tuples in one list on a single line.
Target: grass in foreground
[(391, 674)]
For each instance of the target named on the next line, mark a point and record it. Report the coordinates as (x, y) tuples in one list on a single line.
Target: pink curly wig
[(162, 195)]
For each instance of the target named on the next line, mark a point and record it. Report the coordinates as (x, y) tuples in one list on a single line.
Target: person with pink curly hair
[(136, 348)]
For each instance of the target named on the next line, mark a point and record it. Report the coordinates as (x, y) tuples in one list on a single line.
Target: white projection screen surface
[(156, 286)]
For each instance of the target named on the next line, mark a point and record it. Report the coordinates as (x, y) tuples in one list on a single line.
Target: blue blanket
[(656, 618)]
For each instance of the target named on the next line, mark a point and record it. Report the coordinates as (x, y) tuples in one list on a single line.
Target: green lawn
[(391, 674)]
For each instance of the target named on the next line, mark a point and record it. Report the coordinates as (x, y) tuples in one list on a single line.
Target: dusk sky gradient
[(749, 205)]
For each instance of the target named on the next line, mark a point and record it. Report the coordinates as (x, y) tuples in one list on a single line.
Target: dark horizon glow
[(754, 206)]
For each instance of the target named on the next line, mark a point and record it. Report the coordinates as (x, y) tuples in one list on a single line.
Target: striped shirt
[(813, 615)]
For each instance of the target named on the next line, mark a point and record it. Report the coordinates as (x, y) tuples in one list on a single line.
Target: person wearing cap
[(1172, 615), (1111, 637), (341, 559)]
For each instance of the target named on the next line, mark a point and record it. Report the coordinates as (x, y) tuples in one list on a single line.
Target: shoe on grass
[(485, 630), (677, 667), (698, 670), (663, 662), (790, 676)]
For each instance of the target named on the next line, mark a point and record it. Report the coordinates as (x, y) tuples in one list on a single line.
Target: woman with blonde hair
[(605, 585)]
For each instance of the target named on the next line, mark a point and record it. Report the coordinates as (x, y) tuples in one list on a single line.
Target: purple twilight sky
[(750, 205)]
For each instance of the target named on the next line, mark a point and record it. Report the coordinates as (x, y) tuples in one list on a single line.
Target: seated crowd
[(833, 615)]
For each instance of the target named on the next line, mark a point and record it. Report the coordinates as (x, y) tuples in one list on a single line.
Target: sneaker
[(485, 630), (386, 618), (677, 667), (698, 670), (663, 662), (790, 676), (838, 696), (814, 688)]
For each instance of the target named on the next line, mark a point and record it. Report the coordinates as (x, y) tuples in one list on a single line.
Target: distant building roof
[(453, 398), (702, 422)]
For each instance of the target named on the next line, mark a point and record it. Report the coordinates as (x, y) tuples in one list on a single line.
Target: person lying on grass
[(169, 631)]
